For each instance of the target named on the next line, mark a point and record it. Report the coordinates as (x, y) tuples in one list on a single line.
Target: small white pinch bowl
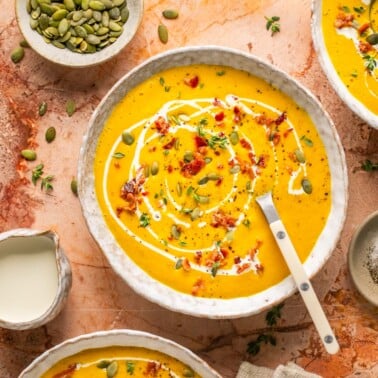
[(363, 252), (19, 244), (139, 280), (125, 338), (65, 57)]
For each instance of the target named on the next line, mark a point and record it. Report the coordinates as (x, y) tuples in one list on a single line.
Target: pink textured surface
[(99, 300)]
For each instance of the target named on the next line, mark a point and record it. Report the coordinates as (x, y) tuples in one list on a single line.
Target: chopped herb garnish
[(307, 141), (167, 88), (216, 140), (369, 166), (253, 347), (37, 173), (144, 220), (130, 366), (220, 73), (370, 62), (214, 268), (203, 122), (118, 155), (345, 9), (273, 314), (354, 74), (246, 223), (46, 183), (162, 81), (272, 24), (359, 9), (190, 190)]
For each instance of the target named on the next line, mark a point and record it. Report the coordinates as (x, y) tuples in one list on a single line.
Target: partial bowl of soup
[(345, 36), (118, 353), (174, 157)]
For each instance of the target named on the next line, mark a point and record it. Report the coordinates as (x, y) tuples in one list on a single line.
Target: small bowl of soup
[(35, 278), (119, 353), (169, 170)]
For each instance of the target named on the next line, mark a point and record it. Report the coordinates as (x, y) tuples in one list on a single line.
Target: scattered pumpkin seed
[(42, 109), (175, 231), (300, 156), (17, 54), (307, 186), (202, 199), (195, 214), (74, 190), (234, 138), (235, 169), (50, 134), (154, 168), (188, 156), (112, 369), (163, 33), (70, 107), (372, 38), (188, 373), (24, 43), (170, 14), (127, 138), (203, 180), (29, 155), (103, 364)]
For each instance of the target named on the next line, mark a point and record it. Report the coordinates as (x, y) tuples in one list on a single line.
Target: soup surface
[(349, 29), (178, 166), (119, 362)]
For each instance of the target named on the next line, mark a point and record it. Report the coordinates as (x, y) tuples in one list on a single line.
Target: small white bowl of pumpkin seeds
[(78, 33)]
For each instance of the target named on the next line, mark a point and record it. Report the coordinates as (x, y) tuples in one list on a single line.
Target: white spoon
[(296, 268)]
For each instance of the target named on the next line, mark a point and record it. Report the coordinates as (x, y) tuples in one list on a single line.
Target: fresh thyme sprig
[(369, 166), (272, 24), (37, 173)]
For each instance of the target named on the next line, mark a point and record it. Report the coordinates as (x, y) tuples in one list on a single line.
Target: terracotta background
[(99, 300)]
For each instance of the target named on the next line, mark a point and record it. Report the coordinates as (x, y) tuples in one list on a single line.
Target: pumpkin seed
[(112, 369), (195, 214), (42, 109), (300, 156), (188, 373), (234, 138), (372, 38), (124, 14), (188, 156), (84, 4), (118, 3), (170, 14), (93, 39), (163, 33), (24, 43), (59, 14), (29, 155), (202, 199), (70, 107), (80, 31), (213, 176), (203, 180), (235, 169), (74, 186), (105, 19), (50, 134), (96, 5), (175, 231), (103, 364), (146, 170), (154, 168), (114, 26), (307, 186), (114, 13), (127, 138), (108, 3), (69, 4), (17, 54), (44, 21), (58, 44), (179, 189), (63, 27)]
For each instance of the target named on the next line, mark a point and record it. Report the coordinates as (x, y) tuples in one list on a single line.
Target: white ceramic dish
[(363, 258), (354, 104), (117, 338), (43, 280), (136, 277), (68, 58)]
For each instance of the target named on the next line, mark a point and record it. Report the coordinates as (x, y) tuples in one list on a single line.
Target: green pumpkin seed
[(80, 31), (24, 43), (127, 138), (74, 186), (58, 44), (103, 364), (175, 231), (90, 48), (77, 15), (63, 27), (307, 186), (70, 107), (188, 156), (124, 14), (170, 14), (84, 4), (108, 3), (234, 138), (69, 4), (235, 169), (97, 16), (102, 30), (372, 38), (202, 199), (146, 170), (203, 180), (188, 373), (105, 19), (88, 28), (29, 155), (93, 39), (154, 168), (34, 4), (114, 26), (112, 369), (96, 5), (47, 8), (300, 156), (114, 13), (42, 108), (50, 134), (17, 54), (35, 13), (65, 38), (163, 33), (44, 21), (59, 14), (33, 24), (88, 14), (195, 214), (118, 3), (213, 176)]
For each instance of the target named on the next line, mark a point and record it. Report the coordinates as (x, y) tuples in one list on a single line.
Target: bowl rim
[(342, 91), (207, 307), (67, 58), (117, 337), (352, 250)]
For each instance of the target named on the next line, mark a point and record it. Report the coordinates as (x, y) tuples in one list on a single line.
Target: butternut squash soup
[(114, 362), (350, 30), (179, 163)]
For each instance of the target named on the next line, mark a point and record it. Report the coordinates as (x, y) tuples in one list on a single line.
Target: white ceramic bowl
[(68, 58), (27, 315), (130, 338), (135, 276), (363, 258), (352, 102)]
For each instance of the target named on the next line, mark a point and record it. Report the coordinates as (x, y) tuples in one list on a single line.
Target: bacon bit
[(224, 252), (262, 162), (192, 168), (364, 47), (221, 219), (252, 157), (237, 260), (274, 136), (198, 257), (162, 125), (170, 168), (192, 81), (198, 285), (237, 114), (292, 156), (343, 20), (241, 268), (245, 167), (67, 372), (217, 102), (219, 116), (289, 170), (219, 181), (186, 265), (282, 117), (287, 132), (364, 27), (152, 149), (259, 268), (117, 165), (170, 144), (262, 119), (245, 144), (130, 191), (200, 141), (215, 256), (152, 368), (252, 252)]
